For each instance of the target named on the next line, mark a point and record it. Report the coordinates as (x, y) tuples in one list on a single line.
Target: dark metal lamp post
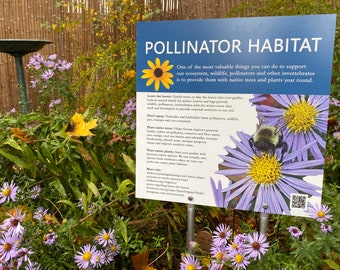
[(18, 48)]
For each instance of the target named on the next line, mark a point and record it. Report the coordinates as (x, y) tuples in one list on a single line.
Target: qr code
[(298, 201)]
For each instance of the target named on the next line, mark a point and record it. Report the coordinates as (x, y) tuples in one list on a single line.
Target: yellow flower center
[(239, 258), (265, 169), (6, 191), (191, 267), (219, 256), (234, 245), (106, 236), (7, 247), (300, 117), (113, 248), (321, 214), (87, 256)]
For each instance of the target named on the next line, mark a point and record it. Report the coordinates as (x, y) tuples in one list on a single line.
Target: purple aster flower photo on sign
[(273, 169)]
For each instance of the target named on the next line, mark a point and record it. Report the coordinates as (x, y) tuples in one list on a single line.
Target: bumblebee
[(267, 139)]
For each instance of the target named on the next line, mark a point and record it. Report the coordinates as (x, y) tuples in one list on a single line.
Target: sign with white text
[(233, 112)]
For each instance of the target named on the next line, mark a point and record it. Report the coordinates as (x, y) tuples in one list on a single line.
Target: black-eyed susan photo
[(158, 73)]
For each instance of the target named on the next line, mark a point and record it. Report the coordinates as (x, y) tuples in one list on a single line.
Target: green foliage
[(105, 78), (282, 8), (39, 152)]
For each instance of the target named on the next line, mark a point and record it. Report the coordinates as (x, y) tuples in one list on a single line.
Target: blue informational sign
[(233, 112)]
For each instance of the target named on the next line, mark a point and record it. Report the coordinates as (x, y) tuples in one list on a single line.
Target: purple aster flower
[(12, 225), (52, 56), (100, 259), (113, 247), (7, 266), (105, 238), (334, 102), (303, 119), (22, 256), (190, 263), (57, 101), (80, 204), (221, 235), (133, 125), (34, 83), (63, 65), (86, 257), (239, 259), (40, 213), (50, 64), (13, 110), (240, 238), (8, 192), (215, 265), (54, 102), (319, 212), (234, 246), (33, 266), (336, 135), (264, 183), (35, 192), (295, 232), (47, 74), (130, 107), (326, 228), (108, 256), (257, 245), (35, 61), (50, 238), (219, 253), (8, 247)]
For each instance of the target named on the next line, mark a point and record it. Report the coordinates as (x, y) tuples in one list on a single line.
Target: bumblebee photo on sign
[(269, 170)]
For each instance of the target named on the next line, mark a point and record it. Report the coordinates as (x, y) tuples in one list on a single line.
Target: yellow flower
[(130, 74), (158, 73), (80, 127)]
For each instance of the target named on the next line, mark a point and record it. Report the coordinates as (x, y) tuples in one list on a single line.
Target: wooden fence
[(27, 19)]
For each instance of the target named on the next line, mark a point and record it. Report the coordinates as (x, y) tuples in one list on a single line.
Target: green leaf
[(29, 156), (179, 210), (172, 222), (91, 158), (13, 143), (123, 229), (123, 188), (77, 168), (45, 152), (92, 187), (59, 186), (18, 161), (130, 163), (84, 202), (73, 206), (332, 264)]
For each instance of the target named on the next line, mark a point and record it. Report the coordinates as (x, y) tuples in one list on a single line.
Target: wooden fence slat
[(23, 19)]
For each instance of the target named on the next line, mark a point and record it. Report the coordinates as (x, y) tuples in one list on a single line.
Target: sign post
[(191, 226)]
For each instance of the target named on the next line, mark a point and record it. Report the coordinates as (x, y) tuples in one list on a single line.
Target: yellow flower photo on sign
[(80, 127), (158, 73)]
